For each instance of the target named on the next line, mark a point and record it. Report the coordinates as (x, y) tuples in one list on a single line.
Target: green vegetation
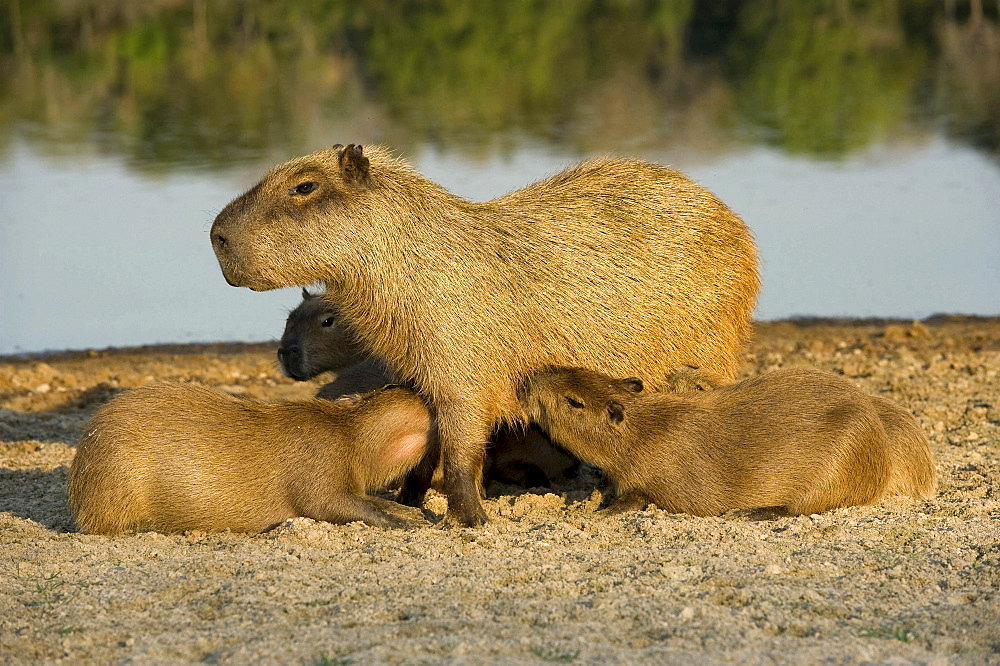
[(896, 633), (208, 83)]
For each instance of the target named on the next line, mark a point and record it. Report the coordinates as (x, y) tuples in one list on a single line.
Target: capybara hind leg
[(415, 486), (420, 478), (350, 508), (818, 502)]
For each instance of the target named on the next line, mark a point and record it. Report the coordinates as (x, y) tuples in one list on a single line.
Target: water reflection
[(860, 140), (180, 85)]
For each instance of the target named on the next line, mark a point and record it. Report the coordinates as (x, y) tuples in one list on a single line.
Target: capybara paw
[(622, 505), (411, 497), (397, 523), (452, 519)]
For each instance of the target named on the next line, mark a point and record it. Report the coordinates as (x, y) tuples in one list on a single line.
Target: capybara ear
[(353, 165), (616, 411), (305, 294), (348, 400), (633, 384)]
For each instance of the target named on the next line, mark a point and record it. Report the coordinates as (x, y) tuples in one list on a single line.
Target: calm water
[(858, 140)]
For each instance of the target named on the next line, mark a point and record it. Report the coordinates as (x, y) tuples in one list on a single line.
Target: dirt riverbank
[(544, 581)]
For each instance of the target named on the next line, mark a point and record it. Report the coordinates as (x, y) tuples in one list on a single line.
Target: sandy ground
[(545, 580)]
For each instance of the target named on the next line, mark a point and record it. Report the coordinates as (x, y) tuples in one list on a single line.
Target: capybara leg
[(418, 481), (416, 485), (350, 508), (465, 509), (463, 437), (629, 501)]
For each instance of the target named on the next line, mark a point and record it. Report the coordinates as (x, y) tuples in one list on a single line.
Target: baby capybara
[(171, 457), (316, 340), (799, 439), (620, 265)]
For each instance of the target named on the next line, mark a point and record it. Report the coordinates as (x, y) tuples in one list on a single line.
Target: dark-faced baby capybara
[(799, 439), (172, 457), (619, 265)]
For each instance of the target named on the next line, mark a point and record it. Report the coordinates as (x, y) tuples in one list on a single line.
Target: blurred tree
[(206, 83), (824, 77)]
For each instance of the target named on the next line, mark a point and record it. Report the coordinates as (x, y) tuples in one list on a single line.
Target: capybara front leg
[(463, 447), (350, 508)]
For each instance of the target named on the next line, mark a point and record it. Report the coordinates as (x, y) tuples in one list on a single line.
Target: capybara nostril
[(220, 240)]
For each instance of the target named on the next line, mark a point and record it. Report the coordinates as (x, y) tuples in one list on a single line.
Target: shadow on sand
[(37, 495)]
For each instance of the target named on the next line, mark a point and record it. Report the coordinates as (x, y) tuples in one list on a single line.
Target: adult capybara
[(619, 265), (799, 439), (172, 457), (316, 340)]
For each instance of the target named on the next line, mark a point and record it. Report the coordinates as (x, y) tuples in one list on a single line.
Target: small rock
[(43, 388)]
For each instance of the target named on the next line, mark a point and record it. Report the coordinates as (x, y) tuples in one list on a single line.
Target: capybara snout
[(173, 457)]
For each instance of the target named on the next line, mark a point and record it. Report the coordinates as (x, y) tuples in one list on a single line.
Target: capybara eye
[(327, 322), (574, 403), (306, 188)]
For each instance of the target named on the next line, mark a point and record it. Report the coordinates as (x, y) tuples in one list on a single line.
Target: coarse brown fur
[(316, 340), (913, 470), (172, 457), (800, 439), (619, 265)]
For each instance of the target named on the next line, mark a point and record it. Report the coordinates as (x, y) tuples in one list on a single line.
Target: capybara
[(913, 471), (316, 340), (912, 464), (799, 439), (619, 265), (172, 457)]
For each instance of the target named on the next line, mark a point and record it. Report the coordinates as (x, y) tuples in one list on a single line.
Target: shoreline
[(805, 321)]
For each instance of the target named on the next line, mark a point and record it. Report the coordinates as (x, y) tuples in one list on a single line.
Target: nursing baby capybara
[(316, 340), (172, 457), (619, 265), (799, 439)]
